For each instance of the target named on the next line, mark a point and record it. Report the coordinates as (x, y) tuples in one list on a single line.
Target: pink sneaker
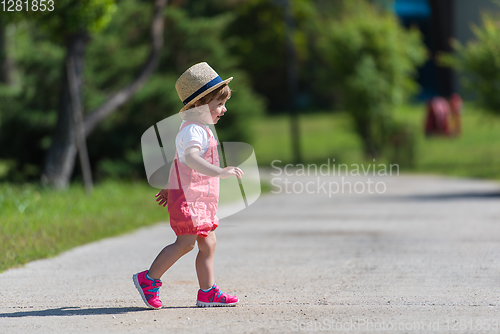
[(215, 297), (148, 288)]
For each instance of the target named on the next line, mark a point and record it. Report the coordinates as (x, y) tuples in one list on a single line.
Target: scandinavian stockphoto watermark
[(353, 178), (361, 324), (462, 325), (158, 144)]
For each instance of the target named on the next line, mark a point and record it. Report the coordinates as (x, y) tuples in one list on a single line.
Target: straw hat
[(196, 82)]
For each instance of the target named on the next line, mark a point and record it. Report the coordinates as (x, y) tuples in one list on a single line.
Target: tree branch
[(122, 96)]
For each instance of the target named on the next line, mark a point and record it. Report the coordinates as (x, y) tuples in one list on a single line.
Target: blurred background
[(412, 82)]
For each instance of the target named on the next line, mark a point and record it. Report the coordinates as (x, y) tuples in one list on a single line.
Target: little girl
[(193, 190)]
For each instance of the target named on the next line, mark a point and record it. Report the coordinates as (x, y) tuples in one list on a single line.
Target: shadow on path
[(71, 311), (453, 196), (443, 196)]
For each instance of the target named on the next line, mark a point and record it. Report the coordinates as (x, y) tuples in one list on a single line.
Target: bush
[(371, 61), (479, 62)]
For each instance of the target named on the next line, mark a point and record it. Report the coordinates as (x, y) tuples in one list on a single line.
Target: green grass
[(323, 135), (38, 223), (476, 153)]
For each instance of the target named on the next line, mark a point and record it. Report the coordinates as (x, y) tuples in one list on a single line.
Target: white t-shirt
[(192, 135)]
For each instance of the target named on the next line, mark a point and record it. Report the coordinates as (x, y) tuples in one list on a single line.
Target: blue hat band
[(203, 88)]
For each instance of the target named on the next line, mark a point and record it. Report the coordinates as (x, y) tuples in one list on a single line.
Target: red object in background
[(443, 116), (438, 111)]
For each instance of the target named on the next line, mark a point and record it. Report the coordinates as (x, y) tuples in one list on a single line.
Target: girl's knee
[(207, 244), (186, 244), (188, 247)]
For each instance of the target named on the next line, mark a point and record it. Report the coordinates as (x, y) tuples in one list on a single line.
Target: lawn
[(38, 223), (476, 153)]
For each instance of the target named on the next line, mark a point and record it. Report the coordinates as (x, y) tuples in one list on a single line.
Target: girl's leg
[(170, 254), (205, 260)]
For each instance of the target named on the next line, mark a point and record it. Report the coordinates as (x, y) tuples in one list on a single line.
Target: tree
[(6, 64), (479, 62), (262, 45), (5, 73), (370, 61), (74, 24)]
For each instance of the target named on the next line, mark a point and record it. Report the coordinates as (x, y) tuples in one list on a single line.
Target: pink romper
[(193, 205)]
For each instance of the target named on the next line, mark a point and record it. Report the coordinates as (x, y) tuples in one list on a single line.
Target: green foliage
[(261, 46), (71, 16), (66, 17), (401, 148), (371, 61), (479, 62), (113, 58), (257, 38), (28, 110)]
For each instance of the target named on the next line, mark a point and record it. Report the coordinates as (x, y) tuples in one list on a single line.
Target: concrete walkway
[(423, 256)]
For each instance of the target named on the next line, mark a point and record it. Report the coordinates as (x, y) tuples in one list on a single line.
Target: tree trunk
[(5, 61), (363, 128), (442, 23), (60, 159), (292, 81), (81, 143)]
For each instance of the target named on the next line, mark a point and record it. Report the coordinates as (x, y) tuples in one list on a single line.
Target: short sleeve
[(192, 135)]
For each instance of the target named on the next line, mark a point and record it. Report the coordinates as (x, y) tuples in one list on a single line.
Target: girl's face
[(217, 109)]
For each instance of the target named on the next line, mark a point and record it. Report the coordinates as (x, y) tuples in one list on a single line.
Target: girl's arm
[(194, 161)]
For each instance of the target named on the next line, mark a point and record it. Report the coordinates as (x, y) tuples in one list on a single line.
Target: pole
[(292, 81)]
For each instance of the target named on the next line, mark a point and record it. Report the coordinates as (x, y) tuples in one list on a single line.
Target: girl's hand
[(162, 197), (230, 171)]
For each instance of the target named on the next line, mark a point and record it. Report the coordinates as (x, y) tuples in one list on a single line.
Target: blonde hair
[(223, 93)]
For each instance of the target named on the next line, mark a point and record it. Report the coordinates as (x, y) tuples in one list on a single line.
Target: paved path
[(423, 256)]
